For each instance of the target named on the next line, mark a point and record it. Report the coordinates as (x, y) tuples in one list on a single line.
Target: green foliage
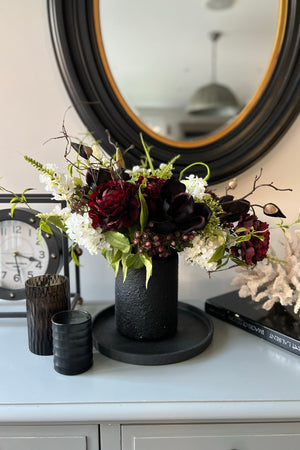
[(118, 241), (147, 152), (37, 165), (144, 208), (166, 171), (196, 164)]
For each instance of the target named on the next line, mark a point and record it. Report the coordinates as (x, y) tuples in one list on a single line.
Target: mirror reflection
[(187, 68)]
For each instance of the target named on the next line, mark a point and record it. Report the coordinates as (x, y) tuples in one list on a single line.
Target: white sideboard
[(240, 393)]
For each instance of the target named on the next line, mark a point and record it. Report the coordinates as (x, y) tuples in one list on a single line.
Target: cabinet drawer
[(66, 437), (212, 437), (45, 443)]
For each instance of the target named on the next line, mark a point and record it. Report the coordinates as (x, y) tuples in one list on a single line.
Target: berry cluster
[(79, 199), (161, 245)]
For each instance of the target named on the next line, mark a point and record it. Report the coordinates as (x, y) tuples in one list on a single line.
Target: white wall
[(33, 101)]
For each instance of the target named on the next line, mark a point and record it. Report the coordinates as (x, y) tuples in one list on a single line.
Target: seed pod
[(270, 209), (83, 150), (232, 184)]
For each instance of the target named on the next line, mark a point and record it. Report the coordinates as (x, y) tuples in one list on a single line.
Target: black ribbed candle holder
[(45, 295), (72, 342)]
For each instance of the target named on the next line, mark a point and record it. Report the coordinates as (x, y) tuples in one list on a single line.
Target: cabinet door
[(66, 437), (212, 437)]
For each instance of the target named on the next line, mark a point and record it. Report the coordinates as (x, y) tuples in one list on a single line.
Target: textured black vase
[(45, 295), (148, 314)]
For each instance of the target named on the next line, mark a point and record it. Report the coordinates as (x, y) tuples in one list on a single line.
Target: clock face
[(21, 254)]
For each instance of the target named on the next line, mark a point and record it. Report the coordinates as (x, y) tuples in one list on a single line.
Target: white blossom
[(203, 249), (80, 230), (60, 185), (195, 186)]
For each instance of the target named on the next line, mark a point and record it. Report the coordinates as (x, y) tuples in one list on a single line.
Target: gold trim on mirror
[(283, 5)]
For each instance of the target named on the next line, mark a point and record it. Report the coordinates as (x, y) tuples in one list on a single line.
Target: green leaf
[(39, 236), (117, 255), (146, 150), (218, 254), (70, 169), (55, 220), (115, 266), (261, 238), (238, 261), (45, 227), (168, 167), (144, 209), (125, 267), (134, 261), (15, 199), (147, 261), (108, 255), (74, 255), (242, 230), (12, 209), (118, 240), (244, 238)]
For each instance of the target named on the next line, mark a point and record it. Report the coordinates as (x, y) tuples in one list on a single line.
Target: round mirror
[(188, 70), (78, 37)]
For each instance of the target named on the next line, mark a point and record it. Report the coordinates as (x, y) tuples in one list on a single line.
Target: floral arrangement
[(132, 216)]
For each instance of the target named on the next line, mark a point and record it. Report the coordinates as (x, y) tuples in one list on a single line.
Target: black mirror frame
[(77, 53)]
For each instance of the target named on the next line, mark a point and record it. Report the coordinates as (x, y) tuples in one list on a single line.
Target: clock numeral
[(38, 265), (42, 254), (17, 278), (3, 274), (17, 229), (30, 274)]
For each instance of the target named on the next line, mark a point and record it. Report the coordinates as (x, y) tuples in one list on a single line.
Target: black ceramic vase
[(150, 313)]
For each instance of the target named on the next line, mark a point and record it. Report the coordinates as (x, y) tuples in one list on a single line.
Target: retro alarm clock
[(22, 256)]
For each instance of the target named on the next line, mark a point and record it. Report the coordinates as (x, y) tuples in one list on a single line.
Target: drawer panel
[(45, 443), (49, 437), (212, 437)]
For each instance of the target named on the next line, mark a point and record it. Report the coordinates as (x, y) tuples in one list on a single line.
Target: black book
[(278, 326)]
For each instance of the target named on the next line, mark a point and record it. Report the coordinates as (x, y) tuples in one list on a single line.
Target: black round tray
[(194, 334)]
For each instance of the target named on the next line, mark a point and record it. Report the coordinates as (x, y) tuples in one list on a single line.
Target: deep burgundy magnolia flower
[(114, 205), (253, 250), (152, 193), (233, 208), (178, 211)]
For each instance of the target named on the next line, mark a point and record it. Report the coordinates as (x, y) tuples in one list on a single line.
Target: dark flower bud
[(123, 174), (270, 209), (96, 177), (233, 209), (83, 150)]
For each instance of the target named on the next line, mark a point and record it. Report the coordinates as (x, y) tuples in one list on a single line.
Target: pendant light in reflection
[(214, 98), (219, 4)]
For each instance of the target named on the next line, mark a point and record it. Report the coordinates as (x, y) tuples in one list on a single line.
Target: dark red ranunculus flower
[(253, 250), (114, 205), (152, 193), (178, 211)]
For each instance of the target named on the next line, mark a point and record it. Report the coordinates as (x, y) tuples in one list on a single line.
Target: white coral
[(274, 280)]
